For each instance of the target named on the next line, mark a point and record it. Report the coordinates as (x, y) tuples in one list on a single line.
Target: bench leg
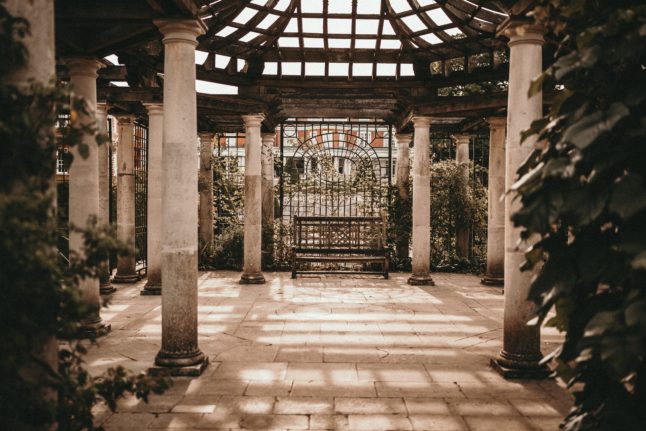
[(386, 267)]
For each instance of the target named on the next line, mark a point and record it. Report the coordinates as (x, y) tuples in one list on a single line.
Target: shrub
[(584, 196)]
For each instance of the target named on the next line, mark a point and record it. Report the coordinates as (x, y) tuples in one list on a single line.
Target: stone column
[(268, 179), (126, 265), (179, 353), (105, 287), (462, 231), (205, 187), (84, 187), (521, 351), (40, 67), (402, 181), (421, 204), (154, 211), (496, 214), (252, 201)]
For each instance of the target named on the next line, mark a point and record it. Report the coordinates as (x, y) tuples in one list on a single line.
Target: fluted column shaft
[(84, 185), (206, 190), (521, 343), (154, 196), (463, 230), (421, 203), (126, 264), (252, 201), (179, 351), (496, 213)]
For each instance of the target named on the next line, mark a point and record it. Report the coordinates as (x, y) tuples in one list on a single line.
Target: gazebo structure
[(265, 63)]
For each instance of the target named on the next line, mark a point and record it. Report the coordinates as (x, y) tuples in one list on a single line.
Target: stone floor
[(328, 353)]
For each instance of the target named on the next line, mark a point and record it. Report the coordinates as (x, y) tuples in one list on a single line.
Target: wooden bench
[(338, 240)]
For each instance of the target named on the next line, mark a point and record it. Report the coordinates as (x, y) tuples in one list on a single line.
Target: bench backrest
[(341, 234)]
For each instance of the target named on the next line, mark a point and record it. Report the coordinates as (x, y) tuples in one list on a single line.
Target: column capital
[(102, 108), (82, 66), (180, 30), (403, 138), (421, 121), (268, 137), (154, 108), (124, 119), (461, 138), (496, 122), (522, 31), (206, 136), (253, 120)]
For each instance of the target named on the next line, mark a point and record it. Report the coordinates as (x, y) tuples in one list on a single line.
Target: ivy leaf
[(589, 128), (628, 196), (600, 324)]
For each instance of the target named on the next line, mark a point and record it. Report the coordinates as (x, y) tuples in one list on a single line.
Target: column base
[(151, 289), (252, 278), (180, 365), (493, 280), (125, 279), (107, 289), (512, 366), (94, 328), (421, 280)]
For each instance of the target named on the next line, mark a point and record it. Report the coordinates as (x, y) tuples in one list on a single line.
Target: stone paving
[(331, 353)]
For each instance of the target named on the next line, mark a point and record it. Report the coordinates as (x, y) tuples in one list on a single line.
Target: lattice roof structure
[(346, 38)]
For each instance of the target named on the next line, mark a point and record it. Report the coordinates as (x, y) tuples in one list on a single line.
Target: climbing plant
[(583, 196), (44, 381)]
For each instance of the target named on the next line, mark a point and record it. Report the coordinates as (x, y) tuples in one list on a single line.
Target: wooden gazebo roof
[(386, 59)]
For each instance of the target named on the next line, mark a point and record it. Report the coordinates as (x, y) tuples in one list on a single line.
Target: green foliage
[(456, 202), (583, 195), (400, 226), (227, 251), (40, 303), (228, 192)]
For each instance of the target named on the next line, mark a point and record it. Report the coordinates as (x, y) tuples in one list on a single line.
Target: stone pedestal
[(421, 204), (105, 286), (521, 351), (252, 201), (154, 231), (463, 230), (126, 265), (496, 214), (205, 187), (179, 354), (84, 187)]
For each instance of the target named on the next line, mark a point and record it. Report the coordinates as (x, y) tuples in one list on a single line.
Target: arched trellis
[(335, 170)]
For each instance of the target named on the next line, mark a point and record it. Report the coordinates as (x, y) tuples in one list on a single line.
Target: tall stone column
[(105, 286), (496, 214), (154, 211), (205, 186), (268, 179), (126, 264), (463, 231), (521, 351), (421, 204), (402, 181), (179, 353), (84, 186), (40, 67), (251, 273)]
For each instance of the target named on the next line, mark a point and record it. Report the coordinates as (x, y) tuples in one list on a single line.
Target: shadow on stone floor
[(358, 353)]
